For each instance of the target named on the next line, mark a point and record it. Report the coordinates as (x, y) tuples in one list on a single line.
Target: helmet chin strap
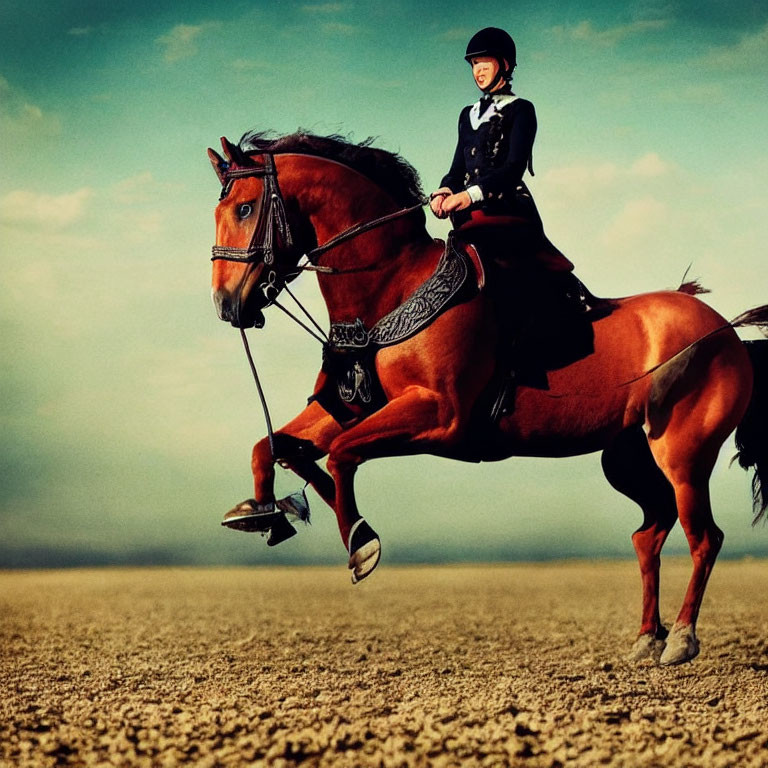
[(489, 88)]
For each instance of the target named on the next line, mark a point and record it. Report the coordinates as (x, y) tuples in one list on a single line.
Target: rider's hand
[(457, 202), (436, 200)]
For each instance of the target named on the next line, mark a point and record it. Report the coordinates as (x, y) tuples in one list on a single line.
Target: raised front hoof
[(252, 517), (365, 550), (647, 648), (682, 646)]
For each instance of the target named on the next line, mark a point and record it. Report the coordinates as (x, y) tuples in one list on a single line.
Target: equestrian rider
[(483, 191), (491, 208)]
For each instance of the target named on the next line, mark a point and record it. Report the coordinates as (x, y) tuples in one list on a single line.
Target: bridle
[(272, 225)]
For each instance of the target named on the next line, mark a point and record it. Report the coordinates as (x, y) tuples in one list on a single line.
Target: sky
[(128, 411)]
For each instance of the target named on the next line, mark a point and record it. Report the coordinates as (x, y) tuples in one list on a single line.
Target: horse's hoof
[(647, 647), (682, 646), (252, 517), (365, 550)]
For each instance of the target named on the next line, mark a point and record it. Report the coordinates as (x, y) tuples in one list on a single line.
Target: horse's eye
[(244, 210)]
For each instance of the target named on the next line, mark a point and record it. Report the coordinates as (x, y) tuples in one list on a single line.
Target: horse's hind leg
[(688, 463), (690, 413), (630, 468)]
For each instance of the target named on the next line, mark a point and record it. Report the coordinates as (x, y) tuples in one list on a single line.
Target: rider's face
[(484, 69)]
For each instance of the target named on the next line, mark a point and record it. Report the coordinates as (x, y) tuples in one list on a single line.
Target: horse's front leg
[(417, 418), (298, 445)]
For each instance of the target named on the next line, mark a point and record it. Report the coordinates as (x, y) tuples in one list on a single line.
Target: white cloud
[(608, 37), (634, 222), (582, 176), (589, 178), (25, 207), (142, 203), (181, 41), (323, 7), (19, 117), (751, 51), (144, 226), (649, 165), (249, 65), (140, 188), (456, 33), (31, 112), (339, 28), (694, 93)]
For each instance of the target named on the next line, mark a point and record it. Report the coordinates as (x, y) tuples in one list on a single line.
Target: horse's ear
[(228, 147), (219, 165), (234, 154)]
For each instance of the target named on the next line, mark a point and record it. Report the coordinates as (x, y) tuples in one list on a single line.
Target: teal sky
[(128, 412)]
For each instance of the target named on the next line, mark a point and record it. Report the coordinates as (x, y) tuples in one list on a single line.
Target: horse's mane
[(391, 172)]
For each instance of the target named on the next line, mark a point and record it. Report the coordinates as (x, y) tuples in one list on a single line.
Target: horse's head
[(256, 251), (330, 191)]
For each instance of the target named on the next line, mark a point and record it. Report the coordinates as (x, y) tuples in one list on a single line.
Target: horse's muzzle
[(235, 313)]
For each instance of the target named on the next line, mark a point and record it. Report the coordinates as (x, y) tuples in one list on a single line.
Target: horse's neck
[(375, 279), (376, 270)]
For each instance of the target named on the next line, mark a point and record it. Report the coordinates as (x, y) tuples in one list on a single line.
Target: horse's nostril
[(223, 306)]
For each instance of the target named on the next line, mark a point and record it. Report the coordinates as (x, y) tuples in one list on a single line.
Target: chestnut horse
[(665, 384)]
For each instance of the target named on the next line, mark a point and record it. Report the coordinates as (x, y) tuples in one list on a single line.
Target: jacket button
[(473, 151)]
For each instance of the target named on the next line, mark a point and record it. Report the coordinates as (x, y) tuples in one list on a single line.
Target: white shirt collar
[(500, 100)]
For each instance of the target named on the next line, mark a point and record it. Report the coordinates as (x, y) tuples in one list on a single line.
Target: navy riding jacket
[(495, 145)]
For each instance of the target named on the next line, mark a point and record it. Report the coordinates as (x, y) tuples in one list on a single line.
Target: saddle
[(540, 307)]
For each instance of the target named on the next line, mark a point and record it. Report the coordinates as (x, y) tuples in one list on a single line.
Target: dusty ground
[(509, 665)]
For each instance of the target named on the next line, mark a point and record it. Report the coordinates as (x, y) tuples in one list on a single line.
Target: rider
[(486, 197), (484, 189)]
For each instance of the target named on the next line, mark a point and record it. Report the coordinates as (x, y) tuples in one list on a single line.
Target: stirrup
[(505, 399)]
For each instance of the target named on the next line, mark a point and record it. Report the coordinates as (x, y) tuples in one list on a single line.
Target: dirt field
[(508, 665)]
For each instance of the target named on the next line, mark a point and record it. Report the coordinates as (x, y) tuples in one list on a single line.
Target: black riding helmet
[(496, 43)]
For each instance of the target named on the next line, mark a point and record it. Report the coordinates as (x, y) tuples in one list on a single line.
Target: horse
[(666, 381)]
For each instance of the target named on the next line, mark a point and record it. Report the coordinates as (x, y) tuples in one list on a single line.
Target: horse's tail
[(752, 433)]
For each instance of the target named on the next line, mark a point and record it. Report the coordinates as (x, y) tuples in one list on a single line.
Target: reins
[(251, 254), (267, 419), (271, 221), (272, 217), (354, 231)]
